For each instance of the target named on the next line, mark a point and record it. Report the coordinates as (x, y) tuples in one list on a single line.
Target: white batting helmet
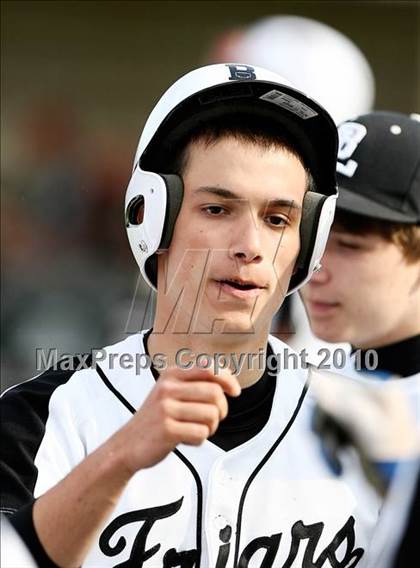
[(153, 200)]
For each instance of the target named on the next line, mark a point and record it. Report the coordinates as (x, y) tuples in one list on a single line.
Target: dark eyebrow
[(219, 191), (284, 203), (228, 194)]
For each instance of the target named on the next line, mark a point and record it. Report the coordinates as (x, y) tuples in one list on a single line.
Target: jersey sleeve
[(40, 445)]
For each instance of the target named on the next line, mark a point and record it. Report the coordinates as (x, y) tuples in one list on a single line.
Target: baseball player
[(190, 444), (368, 294), (368, 291)]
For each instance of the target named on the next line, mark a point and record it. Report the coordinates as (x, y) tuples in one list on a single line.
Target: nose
[(246, 243)]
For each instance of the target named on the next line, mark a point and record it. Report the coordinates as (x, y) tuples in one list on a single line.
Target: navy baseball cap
[(378, 168)]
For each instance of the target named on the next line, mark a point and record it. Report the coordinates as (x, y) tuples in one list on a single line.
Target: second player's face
[(365, 294), (236, 238)]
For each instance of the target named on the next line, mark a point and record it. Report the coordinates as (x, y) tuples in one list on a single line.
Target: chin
[(326, 333), (237, 324)]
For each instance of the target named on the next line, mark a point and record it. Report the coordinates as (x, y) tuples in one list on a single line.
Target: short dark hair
[(405, 236), (174, 160)]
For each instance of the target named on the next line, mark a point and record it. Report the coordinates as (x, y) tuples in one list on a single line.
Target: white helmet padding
[(212, 92)]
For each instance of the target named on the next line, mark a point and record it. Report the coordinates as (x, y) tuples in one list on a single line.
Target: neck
[(243, 353), (397, 336)]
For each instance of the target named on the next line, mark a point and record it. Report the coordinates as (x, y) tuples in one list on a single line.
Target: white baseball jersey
[(269, 502)]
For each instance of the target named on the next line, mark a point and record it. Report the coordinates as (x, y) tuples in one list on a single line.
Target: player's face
[(236, 238), (366, 293)]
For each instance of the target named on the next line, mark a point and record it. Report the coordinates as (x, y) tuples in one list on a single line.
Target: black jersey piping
[(114, 391), (185, 461), (260, 466)]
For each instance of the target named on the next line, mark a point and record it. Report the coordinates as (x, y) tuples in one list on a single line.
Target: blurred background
[(78, 79)]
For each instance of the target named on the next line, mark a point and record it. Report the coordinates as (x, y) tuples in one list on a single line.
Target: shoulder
[(289, 362), (67, 377), (51, 421), (32, 396)]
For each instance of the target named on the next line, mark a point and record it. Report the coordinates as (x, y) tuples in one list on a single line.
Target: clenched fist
[(185, 406)]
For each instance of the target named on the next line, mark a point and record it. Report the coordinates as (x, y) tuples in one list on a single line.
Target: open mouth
[(239, 284), (243, 289)]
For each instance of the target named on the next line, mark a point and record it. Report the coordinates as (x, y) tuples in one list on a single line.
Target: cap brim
[(361, 205)]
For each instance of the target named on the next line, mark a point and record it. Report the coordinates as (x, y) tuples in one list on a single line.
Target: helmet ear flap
[(174, 196), (152, 205), (317, 216)]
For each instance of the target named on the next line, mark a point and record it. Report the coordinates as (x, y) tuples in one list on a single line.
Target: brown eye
[(214, 209), (276, 221)]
